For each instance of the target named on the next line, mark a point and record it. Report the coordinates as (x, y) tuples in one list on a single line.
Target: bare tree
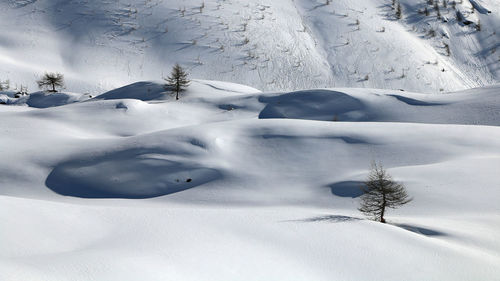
[(478, 25), (459, 16), (398, 11), (447, 49), (4, 85), (51, 81), (436, 7), (22, 91), (177, 81), (381, 192)]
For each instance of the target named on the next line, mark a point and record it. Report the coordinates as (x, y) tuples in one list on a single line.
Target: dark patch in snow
[(329, 218), (228, 106), (144, 91), (322, 105), (45, 100), (121, 105), (198, 143), (21, 3), (421, 230), (347, 188), (480, 8), (348, 140), (414, 102), (130, 174)]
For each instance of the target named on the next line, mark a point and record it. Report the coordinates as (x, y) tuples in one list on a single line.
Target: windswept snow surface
[(270, 44), (229, 183)]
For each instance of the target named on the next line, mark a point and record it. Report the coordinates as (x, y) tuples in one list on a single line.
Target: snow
[(43, 99), (269, 44), (232, 183), (112, 178)]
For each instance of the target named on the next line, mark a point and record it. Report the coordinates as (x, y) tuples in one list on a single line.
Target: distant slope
[(271, 45), (366, 45)]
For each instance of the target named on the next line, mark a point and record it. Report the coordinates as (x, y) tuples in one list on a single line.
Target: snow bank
[(44, 99)]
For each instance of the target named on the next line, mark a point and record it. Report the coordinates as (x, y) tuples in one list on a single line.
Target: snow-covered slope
[(242, 185), (270, 44)]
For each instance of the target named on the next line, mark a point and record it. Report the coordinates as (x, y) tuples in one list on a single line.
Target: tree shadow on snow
[(421, 230), (410, 101), (347, 189), (327, 218)]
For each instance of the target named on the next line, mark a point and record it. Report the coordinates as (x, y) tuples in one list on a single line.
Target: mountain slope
[(272, 45)]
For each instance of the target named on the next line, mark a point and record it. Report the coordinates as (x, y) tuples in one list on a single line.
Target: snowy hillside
[(115, 179), (236, 184), (269, 44)]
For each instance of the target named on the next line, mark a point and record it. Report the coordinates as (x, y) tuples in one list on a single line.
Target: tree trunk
[(177, 89), (53, 88), (382, 220)]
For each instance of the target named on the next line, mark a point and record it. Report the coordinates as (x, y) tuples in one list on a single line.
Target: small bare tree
[(22, 91), (177, 81), (438, 12), (381, 192), (51, 81), (4, 85), (447, 49), (398, 11)]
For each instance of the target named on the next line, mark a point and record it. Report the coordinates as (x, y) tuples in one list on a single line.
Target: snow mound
[(478, 107), (144, 91), (313, 105), (148, 91), (44, 99)]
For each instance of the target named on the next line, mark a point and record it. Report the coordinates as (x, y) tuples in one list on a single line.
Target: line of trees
[(49, 81), (177, 82)]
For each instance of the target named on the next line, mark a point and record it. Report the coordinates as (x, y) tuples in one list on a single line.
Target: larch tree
[(381, 192), (177, 81), (398, 11), (4, 85), (51, 81)]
